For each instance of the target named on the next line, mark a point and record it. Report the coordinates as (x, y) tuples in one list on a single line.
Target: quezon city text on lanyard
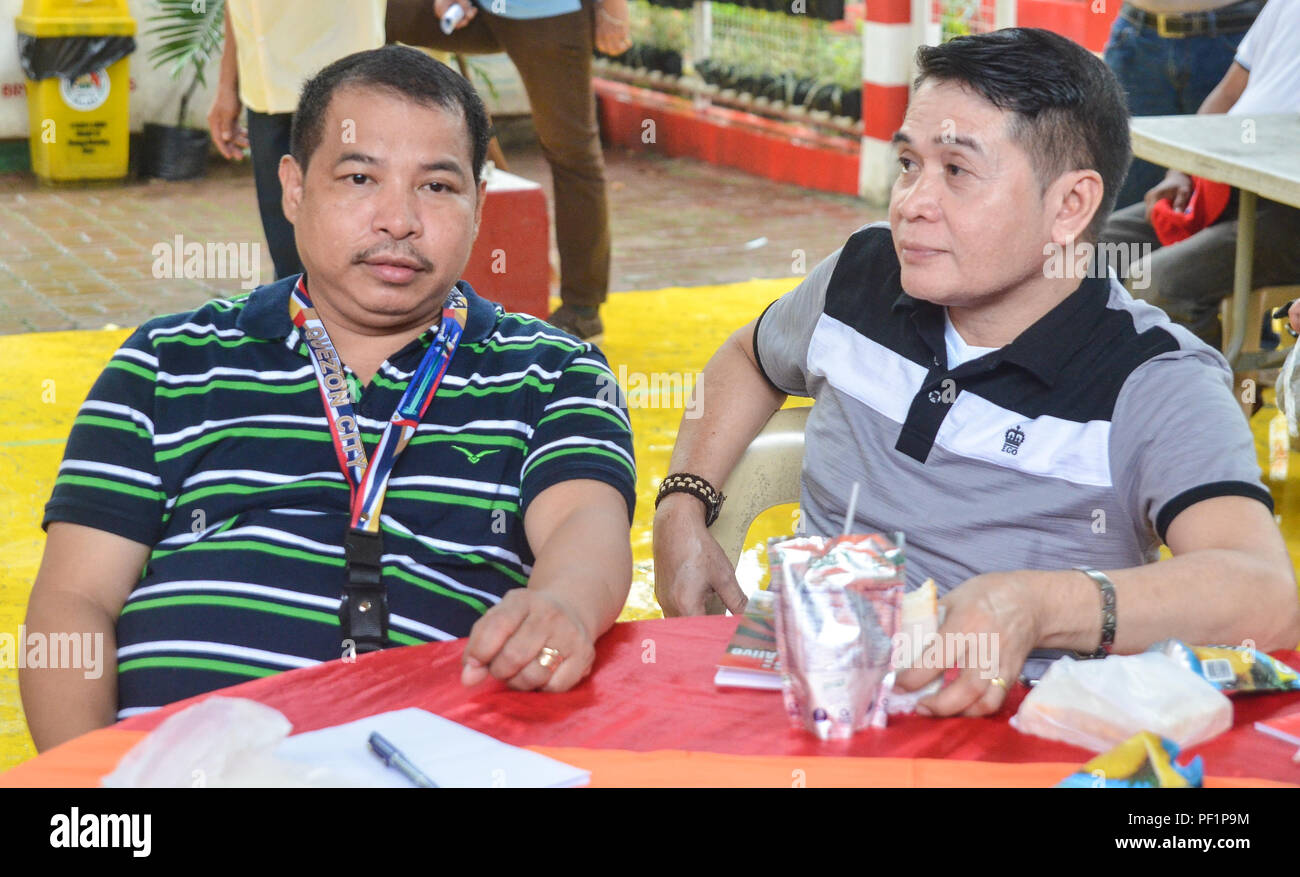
[(363, 611)]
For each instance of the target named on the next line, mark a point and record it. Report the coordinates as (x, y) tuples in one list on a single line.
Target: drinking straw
[(853, 507)]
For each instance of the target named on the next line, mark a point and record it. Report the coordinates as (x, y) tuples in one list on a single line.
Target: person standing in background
[(272, 47), (550, 43), (1190, 266), (1168, 55)]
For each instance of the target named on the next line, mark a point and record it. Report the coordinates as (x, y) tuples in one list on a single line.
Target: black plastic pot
[(851, 104), (801, 90), (826, 97), (171, 153)]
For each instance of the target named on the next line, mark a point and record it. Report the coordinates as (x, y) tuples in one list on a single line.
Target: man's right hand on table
[(689, 563), (1176, 187), (510, 637)]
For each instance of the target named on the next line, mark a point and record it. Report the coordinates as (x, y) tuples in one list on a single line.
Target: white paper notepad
[(449, 753)]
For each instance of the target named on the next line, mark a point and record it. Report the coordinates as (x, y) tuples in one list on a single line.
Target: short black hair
[(1068, 110), (405, 72)]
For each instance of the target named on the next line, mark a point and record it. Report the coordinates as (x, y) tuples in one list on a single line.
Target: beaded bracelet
[(685, 482)]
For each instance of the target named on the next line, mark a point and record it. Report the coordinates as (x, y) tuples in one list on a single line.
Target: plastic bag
[(1098, 704), (837, 607), (220, 742), (69, 57), (1287, 392)]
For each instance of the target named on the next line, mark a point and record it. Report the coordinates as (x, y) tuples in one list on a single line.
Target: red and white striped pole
[(888, 42)]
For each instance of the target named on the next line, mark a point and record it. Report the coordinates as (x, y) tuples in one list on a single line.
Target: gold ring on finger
[(1001, 683), (549, 656)]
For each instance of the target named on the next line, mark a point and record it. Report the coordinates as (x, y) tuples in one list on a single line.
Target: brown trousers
[(553, 56)]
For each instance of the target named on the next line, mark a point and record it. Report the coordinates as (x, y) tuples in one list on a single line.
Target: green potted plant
[(190, 32)]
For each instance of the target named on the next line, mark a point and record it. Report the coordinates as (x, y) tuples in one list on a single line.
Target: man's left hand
[(1000, 610), (508, 642)]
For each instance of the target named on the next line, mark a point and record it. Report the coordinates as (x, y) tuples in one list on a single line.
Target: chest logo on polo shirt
[(473, 457), (1012, 441)]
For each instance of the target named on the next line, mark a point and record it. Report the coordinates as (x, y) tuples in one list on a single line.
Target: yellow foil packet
[(1143, 761), (1232, 669)]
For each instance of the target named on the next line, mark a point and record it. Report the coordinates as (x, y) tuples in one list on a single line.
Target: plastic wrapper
[(900, 702), (219, 742), (1097, 704), (1143, 761), (1287, 393), (837, 608), (1232, 669)]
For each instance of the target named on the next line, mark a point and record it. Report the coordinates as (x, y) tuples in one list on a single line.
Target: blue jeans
[(268, 139), (1163, 76)]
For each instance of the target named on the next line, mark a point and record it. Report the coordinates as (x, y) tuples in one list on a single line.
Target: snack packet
[(1098, 704), (836, 613), (1143, 761), (1232, 669)]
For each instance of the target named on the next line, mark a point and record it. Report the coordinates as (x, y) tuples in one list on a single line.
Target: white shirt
[(958, 350), (1271, 52)]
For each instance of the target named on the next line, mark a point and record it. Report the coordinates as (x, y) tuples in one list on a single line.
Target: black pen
[(393, 757)]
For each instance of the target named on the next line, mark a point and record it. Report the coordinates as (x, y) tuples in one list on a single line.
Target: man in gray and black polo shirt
[(1014, 420)]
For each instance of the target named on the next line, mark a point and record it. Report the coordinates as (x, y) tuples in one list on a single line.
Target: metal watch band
[(1107, 588), (685, 482)]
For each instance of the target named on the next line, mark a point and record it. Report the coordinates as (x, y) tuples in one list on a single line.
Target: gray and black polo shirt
[(1078, 443)]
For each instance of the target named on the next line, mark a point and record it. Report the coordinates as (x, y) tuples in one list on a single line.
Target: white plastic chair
[(766, 476)]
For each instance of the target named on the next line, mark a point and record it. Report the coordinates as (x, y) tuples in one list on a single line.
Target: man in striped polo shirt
[(1013, 420), (233, 501)]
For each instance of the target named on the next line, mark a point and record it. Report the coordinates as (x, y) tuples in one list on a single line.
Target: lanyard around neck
[(368, 479)]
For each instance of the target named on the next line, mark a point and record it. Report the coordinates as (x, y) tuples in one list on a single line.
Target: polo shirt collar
[(1046, 346), (266, 313)]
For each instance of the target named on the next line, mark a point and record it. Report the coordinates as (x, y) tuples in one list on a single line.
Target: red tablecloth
[(653, 689)]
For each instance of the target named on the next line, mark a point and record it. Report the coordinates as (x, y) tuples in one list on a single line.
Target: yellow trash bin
[(79, 124)]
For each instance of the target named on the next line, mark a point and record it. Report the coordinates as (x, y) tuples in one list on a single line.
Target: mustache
[(403, 251)]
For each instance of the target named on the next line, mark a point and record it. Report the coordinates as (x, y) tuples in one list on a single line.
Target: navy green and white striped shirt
[(205, 438)]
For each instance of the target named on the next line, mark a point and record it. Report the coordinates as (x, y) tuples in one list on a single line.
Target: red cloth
[(1206, 204), (652, 688)]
